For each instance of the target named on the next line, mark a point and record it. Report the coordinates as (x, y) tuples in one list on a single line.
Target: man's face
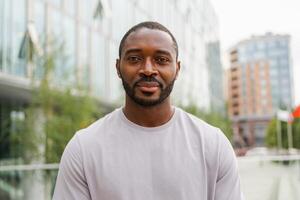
[(148, 66)]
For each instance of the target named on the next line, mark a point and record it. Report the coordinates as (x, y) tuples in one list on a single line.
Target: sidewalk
[(269, 180)]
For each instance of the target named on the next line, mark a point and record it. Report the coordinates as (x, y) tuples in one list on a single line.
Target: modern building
[(89, 32), (215, 74), (259, 83)]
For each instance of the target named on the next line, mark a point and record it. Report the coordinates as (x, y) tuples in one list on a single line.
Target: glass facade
[(215, 77), (98, 63), (1, 33), (68, 68), (18, 18), (13, 25), (71, 23), (83, 59), (274, 49)]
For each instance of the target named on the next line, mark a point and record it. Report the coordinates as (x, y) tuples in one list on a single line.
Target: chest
[(152, 169)]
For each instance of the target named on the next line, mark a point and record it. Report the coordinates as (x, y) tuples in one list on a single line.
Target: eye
[(162, 60), (134, 59)]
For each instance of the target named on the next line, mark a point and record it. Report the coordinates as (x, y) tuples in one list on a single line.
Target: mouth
[(148, 87)]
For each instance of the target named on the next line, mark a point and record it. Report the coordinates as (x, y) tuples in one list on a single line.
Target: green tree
[(54, 114), (296, 131), (271, 134), (212, 118)]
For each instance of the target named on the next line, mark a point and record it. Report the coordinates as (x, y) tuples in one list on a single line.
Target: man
[(149, 149)]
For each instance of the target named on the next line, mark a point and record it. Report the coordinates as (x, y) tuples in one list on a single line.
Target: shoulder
[(89, 138), (101, 125), (208, 131), (212, 138), (94, 133)]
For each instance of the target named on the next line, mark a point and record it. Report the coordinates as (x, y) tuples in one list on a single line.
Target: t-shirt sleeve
[(228, 181), (71, 182)]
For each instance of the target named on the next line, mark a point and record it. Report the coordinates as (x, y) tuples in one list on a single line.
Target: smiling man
[(148, 149)]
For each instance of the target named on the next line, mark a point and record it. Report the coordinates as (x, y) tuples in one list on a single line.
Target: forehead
[(149, 39)]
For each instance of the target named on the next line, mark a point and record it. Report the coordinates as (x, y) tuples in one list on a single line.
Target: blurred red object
[(296, 112)]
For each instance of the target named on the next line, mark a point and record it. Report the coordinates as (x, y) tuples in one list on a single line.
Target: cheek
[(129, 74), (168, 75)]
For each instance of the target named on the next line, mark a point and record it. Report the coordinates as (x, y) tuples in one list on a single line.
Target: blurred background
[(240, 72)]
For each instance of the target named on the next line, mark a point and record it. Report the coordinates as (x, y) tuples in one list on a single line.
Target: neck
[(148, 116)]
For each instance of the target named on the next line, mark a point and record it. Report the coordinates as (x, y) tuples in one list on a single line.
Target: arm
[(71, 182), (228, 181)]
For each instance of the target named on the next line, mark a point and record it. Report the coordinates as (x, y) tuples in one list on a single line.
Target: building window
[(283, 43), (70, 6), (273, 73), (285, 83), (271, 44), (263, 83), (260, 45), (69, 45), (114, 80), (264, 102), (83, 11), (263, 92), (39, 17), (283, 62), (121, 20), (102, 9), (83, 56), (98, 64), (30, 44), (55, 27), (57, 3), (18, 23)]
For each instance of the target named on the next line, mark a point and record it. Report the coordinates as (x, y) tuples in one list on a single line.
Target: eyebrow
[(132, 51), (140, 50), (163, 52)]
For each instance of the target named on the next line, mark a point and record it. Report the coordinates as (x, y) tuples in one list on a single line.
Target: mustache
[(148, 79)]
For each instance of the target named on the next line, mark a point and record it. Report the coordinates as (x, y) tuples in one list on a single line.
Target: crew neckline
[(148, 129)]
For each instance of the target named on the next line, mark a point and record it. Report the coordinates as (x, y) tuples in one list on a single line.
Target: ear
[(118, 67), (178, 65)]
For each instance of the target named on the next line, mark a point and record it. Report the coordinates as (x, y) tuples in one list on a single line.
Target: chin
[(147, 102), (148, 97)]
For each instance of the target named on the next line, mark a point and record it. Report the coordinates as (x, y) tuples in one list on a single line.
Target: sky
[(240, 19)]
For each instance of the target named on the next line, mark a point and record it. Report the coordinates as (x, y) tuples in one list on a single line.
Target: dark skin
[(148, 53)]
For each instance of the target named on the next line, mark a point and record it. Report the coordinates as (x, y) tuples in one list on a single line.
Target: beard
[(164, 92)]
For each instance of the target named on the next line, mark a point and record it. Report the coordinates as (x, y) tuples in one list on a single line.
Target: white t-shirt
[(115, 159)]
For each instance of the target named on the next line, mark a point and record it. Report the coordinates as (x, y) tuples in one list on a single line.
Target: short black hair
[(149, 25)]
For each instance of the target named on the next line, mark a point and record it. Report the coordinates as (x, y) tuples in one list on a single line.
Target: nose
[(148, 68)]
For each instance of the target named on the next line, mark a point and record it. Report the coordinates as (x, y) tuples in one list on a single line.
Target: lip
[(149, 87), (148, 84)]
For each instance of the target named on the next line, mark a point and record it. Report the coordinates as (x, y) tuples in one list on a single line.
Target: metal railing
[(274, 177)]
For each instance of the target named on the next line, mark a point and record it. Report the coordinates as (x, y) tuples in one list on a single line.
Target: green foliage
[(55, 113), (212, 118), (271, 137), (24, 140), (65, 114), (296, 135)]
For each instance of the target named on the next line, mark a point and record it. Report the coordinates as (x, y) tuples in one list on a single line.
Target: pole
[(290, 135), (279, 141), (290, 130)]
